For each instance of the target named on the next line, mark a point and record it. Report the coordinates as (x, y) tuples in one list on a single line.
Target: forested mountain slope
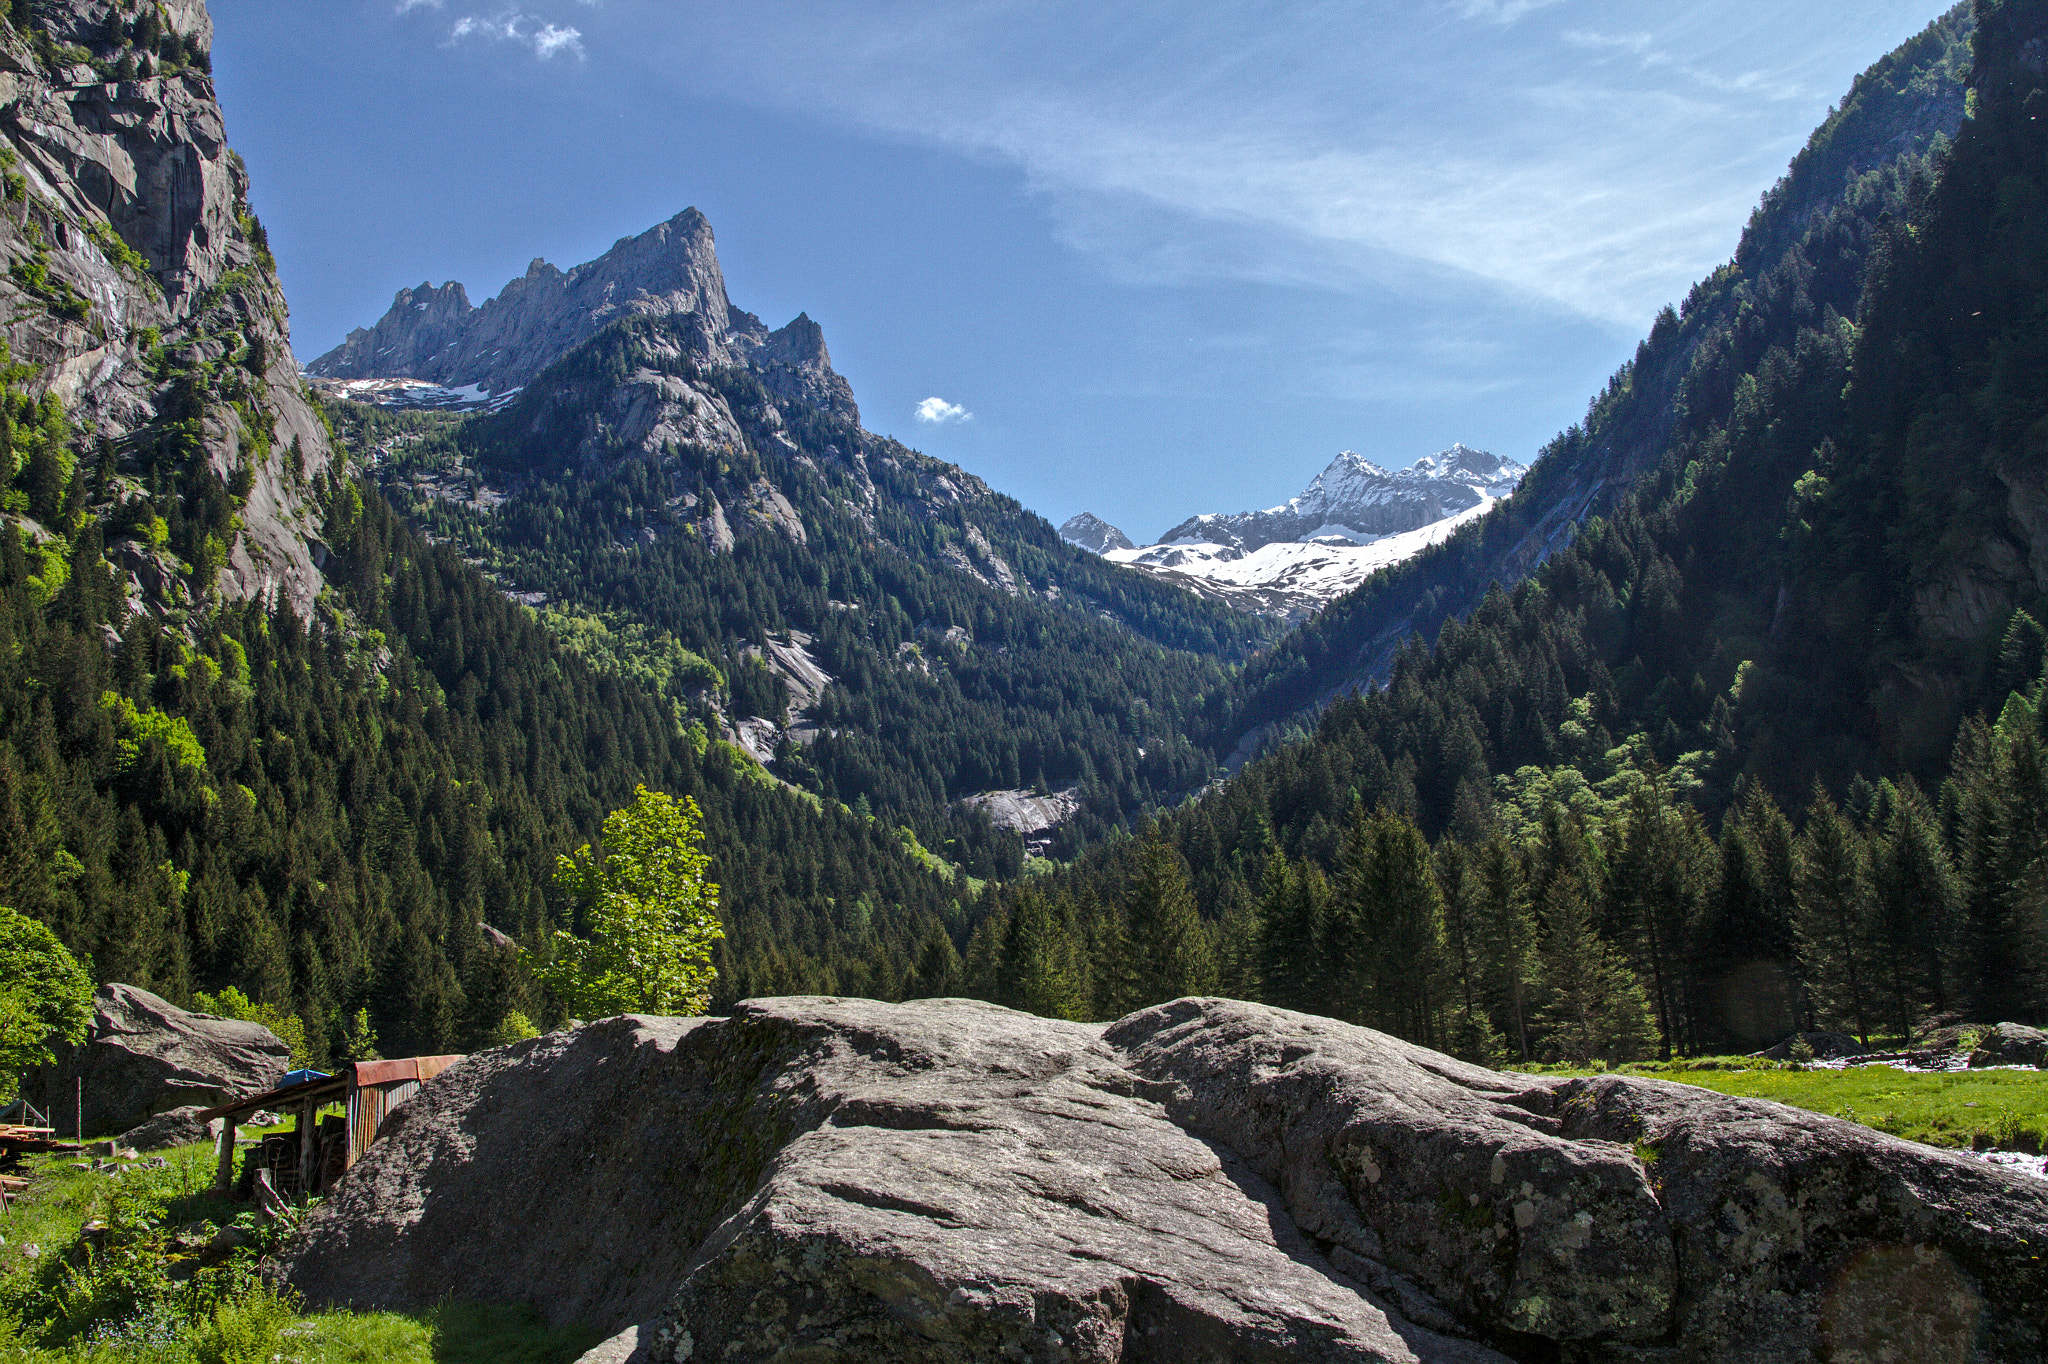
[(692, 497), (1562, 830), (1799, 268), (255, 731)]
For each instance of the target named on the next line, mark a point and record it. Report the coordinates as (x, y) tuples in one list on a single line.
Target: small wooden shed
[(317, 1154)]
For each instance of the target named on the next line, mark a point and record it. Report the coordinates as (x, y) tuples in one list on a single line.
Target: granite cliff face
[(670, 272), (837, 1179), (140, 291)]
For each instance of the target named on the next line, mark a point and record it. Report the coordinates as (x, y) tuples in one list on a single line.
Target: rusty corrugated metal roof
[(411, 1068)]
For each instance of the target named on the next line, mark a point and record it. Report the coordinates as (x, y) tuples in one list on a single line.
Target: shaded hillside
[(1799, 268)]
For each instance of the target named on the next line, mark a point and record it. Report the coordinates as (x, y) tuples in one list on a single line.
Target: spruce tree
[(1042, 968), (1292, 912), (1389, 922), (1170, 952), (1593, 1006), (1834, 917), (1504, 933), (1919, 900)]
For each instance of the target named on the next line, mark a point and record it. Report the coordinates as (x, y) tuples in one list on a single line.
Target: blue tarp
[(300, 1077)]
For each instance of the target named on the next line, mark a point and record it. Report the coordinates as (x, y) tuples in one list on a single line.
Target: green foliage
[(145, 727), (45, 993), (289, 1028), (139, 1297), (359, 1040), (516, 1027), (650, 913)]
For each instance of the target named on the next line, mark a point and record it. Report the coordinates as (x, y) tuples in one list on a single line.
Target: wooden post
[(307, 1111), (224, 1179), (81, 1112), (267, 1200)]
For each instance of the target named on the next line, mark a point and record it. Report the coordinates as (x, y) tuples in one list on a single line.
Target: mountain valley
[(1714, 736)]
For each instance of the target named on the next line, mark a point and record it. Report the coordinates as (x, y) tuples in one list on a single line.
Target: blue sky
[(1152, 257)]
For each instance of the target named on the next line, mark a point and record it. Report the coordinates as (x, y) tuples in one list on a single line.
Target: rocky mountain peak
[(1094, 534), (671, 270), (801, 343)]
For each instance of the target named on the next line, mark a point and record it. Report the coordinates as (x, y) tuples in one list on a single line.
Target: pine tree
[(1388, 927), (1834, 917), (1468, 1030), (1656, 894), (1504, 933), (1593, 1006), (1042, 968), (1919, 900), (1293, 908), (1744, 947)]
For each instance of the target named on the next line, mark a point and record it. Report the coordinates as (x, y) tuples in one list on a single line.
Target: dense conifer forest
[(323, 812)]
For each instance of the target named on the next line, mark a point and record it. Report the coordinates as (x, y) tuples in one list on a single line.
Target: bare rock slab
[(832, 1179), (821, 1179)]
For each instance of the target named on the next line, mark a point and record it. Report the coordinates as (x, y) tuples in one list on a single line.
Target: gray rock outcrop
[(2012, 1044), (145, 1056), (950, 1181), (132, 258), (1825, 1046), (179, 1127)]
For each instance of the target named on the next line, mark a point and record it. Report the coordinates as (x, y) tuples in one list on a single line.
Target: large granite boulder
[(949, 1181), (145, 1056), (2011, 1044)]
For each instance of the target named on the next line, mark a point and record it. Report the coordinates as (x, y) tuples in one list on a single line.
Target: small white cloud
[(514, 27), (550, 40), (406, 6), (938, 412), (1501, 11)]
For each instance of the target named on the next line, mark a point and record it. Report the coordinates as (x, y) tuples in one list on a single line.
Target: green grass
[(120, 1305), (1986, 1109)]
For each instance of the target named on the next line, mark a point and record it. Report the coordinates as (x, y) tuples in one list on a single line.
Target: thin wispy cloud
[(1198, 140), (1639, 44), (939, 412), (407, 6)]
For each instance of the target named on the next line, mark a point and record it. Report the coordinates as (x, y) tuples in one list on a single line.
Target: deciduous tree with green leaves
[(45, 994), (650, 914)]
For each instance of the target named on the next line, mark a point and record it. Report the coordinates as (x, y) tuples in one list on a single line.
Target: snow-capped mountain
[(1356, 500), (1353, 520)]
